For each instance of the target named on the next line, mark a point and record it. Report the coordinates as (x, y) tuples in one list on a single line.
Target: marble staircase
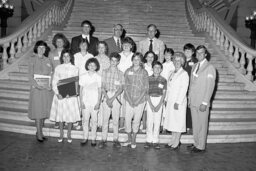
[(233, 114)]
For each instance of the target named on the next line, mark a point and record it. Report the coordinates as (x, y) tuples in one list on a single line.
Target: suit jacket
[(202, 84), (112, 47), (189, 64), (92, 48), (158, 47)]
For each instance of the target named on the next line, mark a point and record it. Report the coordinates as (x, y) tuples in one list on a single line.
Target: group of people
[(164, 87)]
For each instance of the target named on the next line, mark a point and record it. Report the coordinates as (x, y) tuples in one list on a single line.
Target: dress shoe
[(133, 146), (196, 150), (168, 146), (69, 140), (176, 148), (190, 147), (60, 140), (116, 144), (102, 144), (156, 146), (147, 145), (93, 143), (127, 143), (39, 140), (84, 142), (45, 139)]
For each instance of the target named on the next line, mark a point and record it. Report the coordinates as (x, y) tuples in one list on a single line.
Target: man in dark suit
[(202, 83), (86, 35), (189, 51), (115, 42)]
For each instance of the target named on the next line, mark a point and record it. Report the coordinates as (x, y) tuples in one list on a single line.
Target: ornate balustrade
[(15, 45), (237, 52)]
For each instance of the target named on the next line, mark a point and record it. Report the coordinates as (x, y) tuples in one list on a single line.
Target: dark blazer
[(92, 48), (189, 64), (112, 47)]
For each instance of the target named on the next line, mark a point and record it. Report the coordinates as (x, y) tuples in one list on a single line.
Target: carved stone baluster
[(226, 46), (5, 55), (47, 20), (211, 28), (30, 36), (217, 36), (19, 48), (236, 58), (222, 45), (242, 63), (208, 25), (214, 31), (50, 18), (25, 42), (12, 51), (43, 24), (231, 49), (34, 32), (39, 26), (249, 67)]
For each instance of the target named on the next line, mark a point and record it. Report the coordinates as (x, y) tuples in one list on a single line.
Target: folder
[(68, 87), (42, 80)]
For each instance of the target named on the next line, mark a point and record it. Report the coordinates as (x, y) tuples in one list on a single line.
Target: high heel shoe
[(38, 139), (176, 148)]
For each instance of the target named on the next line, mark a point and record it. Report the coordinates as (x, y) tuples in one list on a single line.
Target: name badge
[(195, 75), (56, 58), (130, 73), (117, 82), (49, 65), (191, 63), (160, 85)]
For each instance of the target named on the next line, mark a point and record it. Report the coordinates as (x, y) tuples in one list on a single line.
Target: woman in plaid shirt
[(135, 90)]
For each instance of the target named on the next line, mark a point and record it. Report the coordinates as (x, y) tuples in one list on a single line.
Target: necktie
[(198, 66), (151, 46), (87, 40), (118, 44)]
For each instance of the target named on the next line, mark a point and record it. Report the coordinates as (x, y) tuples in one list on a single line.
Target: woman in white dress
[(175, 120), (64, 109)]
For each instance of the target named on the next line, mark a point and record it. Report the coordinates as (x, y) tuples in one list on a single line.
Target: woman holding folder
[(65, 106), (40, 100)]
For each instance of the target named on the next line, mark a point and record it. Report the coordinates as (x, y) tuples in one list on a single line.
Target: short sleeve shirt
[(90, 85)]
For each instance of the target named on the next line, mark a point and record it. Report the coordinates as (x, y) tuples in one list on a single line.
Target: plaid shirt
[(112, 79), (136, 82)]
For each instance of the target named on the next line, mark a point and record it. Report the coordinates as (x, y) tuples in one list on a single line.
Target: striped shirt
[(156, 85)]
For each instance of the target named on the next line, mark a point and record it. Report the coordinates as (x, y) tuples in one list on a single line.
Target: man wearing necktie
[(202, 83), (86, 36), (115, 42), (151, 43)]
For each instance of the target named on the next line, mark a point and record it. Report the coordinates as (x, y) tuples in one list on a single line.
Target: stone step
[(235, 94), (12, 93), (14, 84), (127, 21), (13, 103), (229, 136), (224, 122), (233, 114), (234, 103), (21, 76), (230, 86)]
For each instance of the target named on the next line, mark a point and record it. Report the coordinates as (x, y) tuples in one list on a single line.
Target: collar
[(84, 36), (151, 39), (117, 38), (202, 62)]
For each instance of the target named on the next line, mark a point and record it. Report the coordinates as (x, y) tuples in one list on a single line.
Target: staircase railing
[(237, 52), (15, 45)]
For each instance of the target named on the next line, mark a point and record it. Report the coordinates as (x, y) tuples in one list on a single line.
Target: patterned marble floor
[(22, 152)]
